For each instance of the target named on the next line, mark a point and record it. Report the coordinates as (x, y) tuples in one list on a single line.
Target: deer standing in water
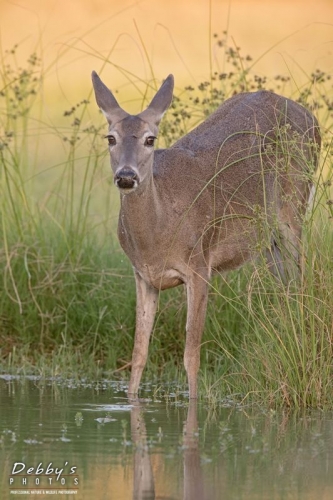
[(195, 208)]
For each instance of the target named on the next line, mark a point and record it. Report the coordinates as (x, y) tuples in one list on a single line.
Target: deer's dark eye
[(150, 141), (111, 140)]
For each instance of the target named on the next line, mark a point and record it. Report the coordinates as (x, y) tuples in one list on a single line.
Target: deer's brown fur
[(199, 206)]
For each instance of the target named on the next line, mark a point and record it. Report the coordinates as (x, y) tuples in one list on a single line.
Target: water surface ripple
[(88, 441)]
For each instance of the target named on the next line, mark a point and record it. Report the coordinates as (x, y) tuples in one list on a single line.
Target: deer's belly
[(161, 279)]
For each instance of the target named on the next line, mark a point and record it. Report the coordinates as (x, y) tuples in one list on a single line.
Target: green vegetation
[(67, 305)]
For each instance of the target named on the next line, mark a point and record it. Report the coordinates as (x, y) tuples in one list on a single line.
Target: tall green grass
[(67, 305)]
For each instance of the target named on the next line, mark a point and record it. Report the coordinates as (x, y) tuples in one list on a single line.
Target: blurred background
[(133, 45), (145, 39)]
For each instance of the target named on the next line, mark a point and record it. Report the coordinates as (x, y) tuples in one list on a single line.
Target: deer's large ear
[(160, 103), (106, 101)]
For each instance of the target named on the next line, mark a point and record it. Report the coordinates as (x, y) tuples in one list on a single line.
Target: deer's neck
[(141, 203), (140, 219)]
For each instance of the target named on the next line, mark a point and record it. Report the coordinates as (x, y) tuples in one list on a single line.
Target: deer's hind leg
[(292, 192), (283, 257)]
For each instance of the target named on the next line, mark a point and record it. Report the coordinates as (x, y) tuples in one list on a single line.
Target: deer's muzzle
[(126, 178)]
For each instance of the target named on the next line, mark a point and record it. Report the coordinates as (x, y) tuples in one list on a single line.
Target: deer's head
[(131, 137)]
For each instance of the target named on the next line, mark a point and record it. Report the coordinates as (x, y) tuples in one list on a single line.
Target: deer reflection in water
[(143, 478)]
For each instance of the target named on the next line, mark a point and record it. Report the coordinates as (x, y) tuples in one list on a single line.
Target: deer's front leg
[(197, 293), (146, 304)]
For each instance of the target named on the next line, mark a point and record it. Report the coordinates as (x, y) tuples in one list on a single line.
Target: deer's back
[(249, 136), (248, 114)]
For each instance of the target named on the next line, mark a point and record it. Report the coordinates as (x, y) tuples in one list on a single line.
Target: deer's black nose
[(126, 178)]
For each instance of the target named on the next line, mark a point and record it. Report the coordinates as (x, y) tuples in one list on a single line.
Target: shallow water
[(101, 446)]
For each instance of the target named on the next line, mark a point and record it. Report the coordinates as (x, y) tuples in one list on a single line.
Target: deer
[(196, 208)]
